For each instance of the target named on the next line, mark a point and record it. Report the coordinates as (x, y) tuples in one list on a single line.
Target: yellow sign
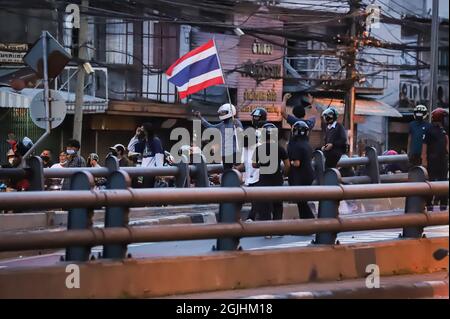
[(253, 95), (269, 108)]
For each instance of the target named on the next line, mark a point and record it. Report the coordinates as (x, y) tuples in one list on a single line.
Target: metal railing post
[(201, 173), (415, 204), (80, 218), (229, 212), (373, 167), (36, 176), (329, 208), (117, 216), (112, 164), (183, 179), (319, 166)]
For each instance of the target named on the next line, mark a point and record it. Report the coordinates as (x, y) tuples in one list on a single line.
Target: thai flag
[(196, 70)]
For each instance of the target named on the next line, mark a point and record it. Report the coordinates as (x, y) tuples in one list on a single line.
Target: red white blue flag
[(196, 70)]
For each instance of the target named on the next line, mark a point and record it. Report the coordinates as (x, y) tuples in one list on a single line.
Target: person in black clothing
[(259, 117), (435, 154), (119, 151), (151, 151), (268, 176), (300, 156), (335, 138)]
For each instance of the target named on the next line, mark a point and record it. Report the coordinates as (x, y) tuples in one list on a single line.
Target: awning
[(12, 99), (363, 107)]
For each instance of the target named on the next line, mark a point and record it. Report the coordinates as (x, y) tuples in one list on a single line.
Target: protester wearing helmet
[(417, 130), (92, 160), (229, 128), (298, 112), (259, 117), (435, 154), (301, 172), (335, 138), (251, 174), (268, 157)]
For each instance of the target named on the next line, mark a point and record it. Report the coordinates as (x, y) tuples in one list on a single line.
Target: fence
[(81, 199), (183, 172)]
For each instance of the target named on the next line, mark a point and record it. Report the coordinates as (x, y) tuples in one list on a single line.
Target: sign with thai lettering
[(260, 82), (262, 48), (12, 53)]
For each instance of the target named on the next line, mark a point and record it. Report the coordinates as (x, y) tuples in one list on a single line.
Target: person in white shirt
[(56, 183), (251, 174)]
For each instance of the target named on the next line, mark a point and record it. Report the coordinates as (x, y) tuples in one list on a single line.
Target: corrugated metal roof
[(10, 98), (363, 107)]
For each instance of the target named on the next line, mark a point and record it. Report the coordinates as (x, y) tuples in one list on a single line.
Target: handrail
[(174, 171), (142, 197), (96, 236)]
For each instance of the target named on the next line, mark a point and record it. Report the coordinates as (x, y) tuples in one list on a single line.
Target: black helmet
[(259, 117), (269, 130), (300, 129), (299, 111)]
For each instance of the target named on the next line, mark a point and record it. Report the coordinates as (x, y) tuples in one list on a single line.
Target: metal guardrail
[(183, 172), (80, 236)]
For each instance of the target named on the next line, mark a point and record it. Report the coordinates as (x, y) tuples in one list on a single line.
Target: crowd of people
[(428, 145), (144, 149)]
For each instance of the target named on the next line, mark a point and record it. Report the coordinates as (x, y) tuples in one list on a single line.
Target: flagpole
[(223, 76)]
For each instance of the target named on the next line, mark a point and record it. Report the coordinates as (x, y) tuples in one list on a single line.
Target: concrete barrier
[(32, 221), (159, 277)]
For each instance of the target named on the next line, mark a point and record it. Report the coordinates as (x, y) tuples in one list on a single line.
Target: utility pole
[(350, 97), (82, 55), (434, 62)]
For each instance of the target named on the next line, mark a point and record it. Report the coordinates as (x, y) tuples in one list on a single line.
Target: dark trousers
[(332, 158), (415, 160), (304, 211), (267, 210), (252, 214), (437, 171)]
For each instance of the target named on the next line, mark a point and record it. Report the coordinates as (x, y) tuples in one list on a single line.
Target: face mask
[(45, 158), (71, 152), (11, 160)]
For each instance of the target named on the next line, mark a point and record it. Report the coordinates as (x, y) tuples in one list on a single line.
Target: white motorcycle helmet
[(226, 111), (420, 112)]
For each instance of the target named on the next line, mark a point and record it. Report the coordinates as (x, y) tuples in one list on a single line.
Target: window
[(119, 42), (160, 48), (165, 45)]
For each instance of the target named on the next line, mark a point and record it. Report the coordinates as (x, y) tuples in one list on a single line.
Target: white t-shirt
[(60, 180), (57, 165), (251, 175)]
